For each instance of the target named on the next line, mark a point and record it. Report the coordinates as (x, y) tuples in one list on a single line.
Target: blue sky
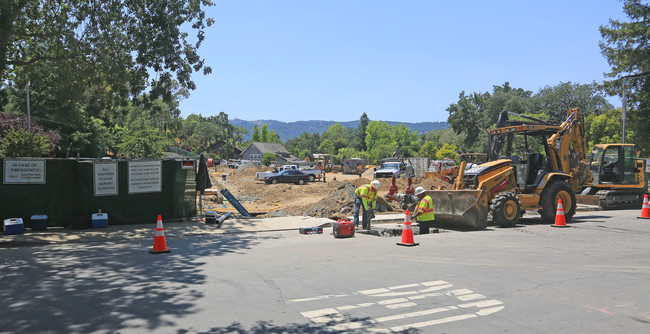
[(406, 60)]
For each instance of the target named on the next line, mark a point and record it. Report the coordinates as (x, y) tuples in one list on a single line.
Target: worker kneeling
[(424, 211), (366, 199)]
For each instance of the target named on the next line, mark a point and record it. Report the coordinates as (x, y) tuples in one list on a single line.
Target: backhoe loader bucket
[(460, 209)]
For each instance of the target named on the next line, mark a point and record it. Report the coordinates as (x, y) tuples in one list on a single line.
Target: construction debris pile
[(333, 199)]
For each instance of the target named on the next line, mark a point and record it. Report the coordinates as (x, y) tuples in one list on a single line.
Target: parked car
[(287, 176)]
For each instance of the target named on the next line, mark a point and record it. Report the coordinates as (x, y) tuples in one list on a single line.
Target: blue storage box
[(100, 219), (39, 222), (14, 226)]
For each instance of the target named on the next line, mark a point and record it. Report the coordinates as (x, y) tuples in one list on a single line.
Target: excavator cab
[(618, 178), (614, 164)]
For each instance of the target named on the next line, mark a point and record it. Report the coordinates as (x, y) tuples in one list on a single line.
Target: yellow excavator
[(541, 164), (618, 176)]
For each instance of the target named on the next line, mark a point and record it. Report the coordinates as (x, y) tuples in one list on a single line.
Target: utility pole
[(624, 81), (29, 114)]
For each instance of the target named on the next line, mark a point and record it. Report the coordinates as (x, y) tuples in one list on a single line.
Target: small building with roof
[(256, 150)]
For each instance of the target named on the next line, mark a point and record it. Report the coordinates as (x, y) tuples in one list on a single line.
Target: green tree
[(268, 158), (404, 139), (378, 134), (306, 142), (336, 134), (626, 45), (112, 43), (264, 133), (327, 147), (605, 128), (555, 101), (140, 140), (428, 150), (91, 140), (448, 151), (361, 132), (256, 137), (20, 142)]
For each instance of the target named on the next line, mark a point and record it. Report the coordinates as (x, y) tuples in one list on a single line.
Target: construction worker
[(424, 211), (366, 199)]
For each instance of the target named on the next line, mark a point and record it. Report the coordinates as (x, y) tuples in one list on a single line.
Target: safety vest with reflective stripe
[(367, 194), (425, 208)]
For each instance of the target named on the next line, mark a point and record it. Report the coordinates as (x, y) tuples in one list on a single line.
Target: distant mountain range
[(290, 130)]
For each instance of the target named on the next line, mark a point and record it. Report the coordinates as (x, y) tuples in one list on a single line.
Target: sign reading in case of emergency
[(145, 176), (105, 176), (24, 171)]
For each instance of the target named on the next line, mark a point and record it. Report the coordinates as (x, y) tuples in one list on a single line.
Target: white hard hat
[(375, 184), (419, 190)]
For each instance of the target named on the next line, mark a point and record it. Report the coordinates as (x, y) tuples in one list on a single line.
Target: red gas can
[(343, 228)]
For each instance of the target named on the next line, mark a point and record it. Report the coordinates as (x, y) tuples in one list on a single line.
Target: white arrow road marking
[(334, 315)]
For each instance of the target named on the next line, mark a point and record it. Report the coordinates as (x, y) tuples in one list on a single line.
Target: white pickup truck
[(314, 174)]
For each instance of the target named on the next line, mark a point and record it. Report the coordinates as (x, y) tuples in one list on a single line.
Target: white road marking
[(319, 297), (372, 292), (470, 297), (352, 307), (401, 305), (416, 314), (491, 310), (341, 321), (436, 288), (404, 286), (392, 301), (433, 283)]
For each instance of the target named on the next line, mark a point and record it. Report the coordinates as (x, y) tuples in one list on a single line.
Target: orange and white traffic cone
[(559, 216), (645, 210), (159, 243), (407, 232)]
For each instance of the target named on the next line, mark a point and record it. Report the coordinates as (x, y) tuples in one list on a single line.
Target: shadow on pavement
[(262, 327), (108, 286)]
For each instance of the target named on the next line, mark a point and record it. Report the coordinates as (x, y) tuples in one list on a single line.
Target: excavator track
[(620, 198)]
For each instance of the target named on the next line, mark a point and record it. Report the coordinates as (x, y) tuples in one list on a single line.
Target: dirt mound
[(339, 204)]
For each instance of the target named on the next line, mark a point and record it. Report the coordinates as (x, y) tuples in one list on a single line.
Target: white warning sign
[(105, 176), (23, 171), (145, 176)]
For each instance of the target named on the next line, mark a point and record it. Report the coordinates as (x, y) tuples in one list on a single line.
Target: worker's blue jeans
[(358, 204)]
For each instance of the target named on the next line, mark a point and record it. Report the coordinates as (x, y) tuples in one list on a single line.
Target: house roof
[(276, 148)]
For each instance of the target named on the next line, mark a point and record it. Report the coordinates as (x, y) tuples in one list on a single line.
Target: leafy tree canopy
[(626, 46)]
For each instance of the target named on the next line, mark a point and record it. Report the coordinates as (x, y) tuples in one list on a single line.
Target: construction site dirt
[(332, 199)]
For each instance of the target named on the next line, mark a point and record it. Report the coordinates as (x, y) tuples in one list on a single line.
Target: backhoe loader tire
[(548, 200), (506, 209)]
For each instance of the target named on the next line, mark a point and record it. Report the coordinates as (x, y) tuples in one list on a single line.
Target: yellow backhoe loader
[(542, 164)]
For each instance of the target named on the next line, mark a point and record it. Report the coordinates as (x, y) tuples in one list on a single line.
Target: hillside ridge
[(290, 130)]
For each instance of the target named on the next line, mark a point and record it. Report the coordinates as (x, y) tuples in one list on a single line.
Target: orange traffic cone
[(645, 210), (559, 216), (407, 232), (159, 243)]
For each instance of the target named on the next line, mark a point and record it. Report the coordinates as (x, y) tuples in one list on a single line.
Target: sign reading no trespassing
[(24, 171), (105, 176), (145, 176)]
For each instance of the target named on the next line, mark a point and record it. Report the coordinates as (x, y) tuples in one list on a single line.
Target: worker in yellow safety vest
[(424, 211), (366, 199)]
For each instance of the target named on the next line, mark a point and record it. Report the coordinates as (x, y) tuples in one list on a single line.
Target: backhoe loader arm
[(569, 149)]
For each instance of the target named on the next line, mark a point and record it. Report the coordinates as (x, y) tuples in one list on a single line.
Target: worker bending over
[(365, 198), (424, 211)]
